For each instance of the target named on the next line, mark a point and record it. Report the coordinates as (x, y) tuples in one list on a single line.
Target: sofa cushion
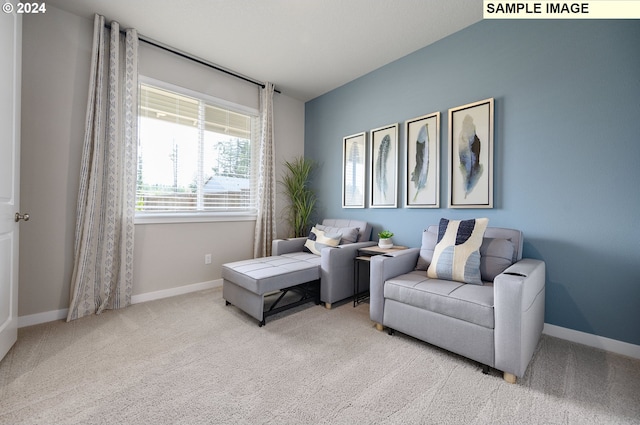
[(349, 234), (266, 274), (457, 253), (429, 241), (318, 240), (495, 256), (364, 232), (471, 303)]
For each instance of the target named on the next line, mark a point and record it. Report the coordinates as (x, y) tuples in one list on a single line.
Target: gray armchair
[(336, 264), (497, 324)]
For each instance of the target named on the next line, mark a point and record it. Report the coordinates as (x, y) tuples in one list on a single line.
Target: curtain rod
[(195, 59)]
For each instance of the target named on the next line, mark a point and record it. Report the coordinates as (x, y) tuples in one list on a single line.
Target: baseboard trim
[(606, 344), (38, 318), (172, 292), (52, 316)]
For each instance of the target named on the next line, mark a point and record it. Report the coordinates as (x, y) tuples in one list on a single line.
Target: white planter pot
[(385, 243)]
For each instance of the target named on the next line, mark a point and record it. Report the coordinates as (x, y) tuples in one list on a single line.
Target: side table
[(364, 259)]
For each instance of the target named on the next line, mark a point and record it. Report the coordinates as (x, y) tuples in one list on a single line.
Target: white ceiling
[(305, 47)]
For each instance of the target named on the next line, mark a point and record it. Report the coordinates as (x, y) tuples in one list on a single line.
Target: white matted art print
[(354, 156), (384, 167), (422, 178), (471, 155)]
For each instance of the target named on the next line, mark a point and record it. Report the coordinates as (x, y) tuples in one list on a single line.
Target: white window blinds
[(194, 156)]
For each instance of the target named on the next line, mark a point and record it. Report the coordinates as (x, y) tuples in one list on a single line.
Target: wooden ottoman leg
[(509, 377)]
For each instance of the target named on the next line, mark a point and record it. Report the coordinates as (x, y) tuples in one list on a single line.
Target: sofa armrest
[(337, 271), (356, 246), (384, 267), (287, 246), (519, 294)]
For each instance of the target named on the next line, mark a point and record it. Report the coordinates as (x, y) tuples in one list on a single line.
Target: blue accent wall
[(567, 151)]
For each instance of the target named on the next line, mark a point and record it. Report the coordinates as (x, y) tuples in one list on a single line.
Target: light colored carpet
[(190, 360)]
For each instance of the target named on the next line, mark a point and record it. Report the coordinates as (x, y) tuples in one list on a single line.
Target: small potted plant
[(384, 239)]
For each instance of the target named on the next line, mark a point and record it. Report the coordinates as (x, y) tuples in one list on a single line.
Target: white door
[(10, 69)]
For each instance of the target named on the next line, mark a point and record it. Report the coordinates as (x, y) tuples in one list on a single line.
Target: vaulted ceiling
[(305, 47)]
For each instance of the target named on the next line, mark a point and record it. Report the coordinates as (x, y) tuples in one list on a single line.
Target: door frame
[(10, 79)]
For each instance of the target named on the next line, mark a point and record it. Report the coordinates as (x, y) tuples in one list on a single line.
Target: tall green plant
[(302, 200)]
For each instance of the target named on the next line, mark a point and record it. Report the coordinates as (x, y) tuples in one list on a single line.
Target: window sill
[(177, 218)]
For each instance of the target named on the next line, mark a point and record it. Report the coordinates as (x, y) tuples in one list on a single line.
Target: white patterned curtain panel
[(103, 262), (266, 189)]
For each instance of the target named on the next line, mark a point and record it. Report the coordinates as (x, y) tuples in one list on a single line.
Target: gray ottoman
[(246, 283)]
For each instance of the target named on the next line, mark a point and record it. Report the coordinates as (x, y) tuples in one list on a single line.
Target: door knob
[(24, 217)]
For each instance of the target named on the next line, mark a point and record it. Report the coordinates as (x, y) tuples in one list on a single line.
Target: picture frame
[(384, 167), (354, 162), (471, 155), (422, 161)]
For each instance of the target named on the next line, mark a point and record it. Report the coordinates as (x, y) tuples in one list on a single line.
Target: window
[(195, 153)]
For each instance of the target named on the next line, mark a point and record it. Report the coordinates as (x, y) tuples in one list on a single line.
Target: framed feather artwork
[(422, 179), (384, 167), (471, 155), (354, 157)]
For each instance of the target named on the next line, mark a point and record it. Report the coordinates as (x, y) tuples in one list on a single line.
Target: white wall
[(56, 54)]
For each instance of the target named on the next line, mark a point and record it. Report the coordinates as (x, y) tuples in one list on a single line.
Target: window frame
[(142, 217)]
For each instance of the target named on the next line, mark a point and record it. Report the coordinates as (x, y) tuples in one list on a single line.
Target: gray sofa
[(497, 324), (246, 283)]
